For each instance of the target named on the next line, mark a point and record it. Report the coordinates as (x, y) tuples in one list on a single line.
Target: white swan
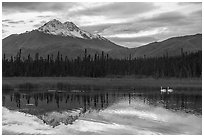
[(163, 90), (29, 104), (169, 90)]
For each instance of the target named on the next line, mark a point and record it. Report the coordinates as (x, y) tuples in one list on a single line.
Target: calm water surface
[(101, 112)]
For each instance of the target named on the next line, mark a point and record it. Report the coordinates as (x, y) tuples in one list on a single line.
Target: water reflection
[(103, 112), (37, 103)]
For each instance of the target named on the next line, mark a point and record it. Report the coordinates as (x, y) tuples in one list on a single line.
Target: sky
[(129, 24)]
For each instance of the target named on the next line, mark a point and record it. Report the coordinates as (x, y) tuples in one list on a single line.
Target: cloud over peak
[(129, 24)]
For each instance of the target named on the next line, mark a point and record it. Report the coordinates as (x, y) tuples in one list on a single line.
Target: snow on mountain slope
[(55, 27)]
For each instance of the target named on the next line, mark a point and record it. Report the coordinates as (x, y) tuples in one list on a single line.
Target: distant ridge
[(70, 40), (170, 47)]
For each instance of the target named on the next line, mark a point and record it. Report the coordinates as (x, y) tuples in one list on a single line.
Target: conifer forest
[(186, 65)]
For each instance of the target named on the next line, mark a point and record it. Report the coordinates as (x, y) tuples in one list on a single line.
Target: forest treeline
[(101, 65)]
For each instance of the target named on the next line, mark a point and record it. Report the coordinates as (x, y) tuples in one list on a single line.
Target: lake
[(101, 112)]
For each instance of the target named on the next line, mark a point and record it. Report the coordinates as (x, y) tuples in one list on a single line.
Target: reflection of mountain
[(51, 101), (66, 107), (53, 107), (66, 117), (119, 118)]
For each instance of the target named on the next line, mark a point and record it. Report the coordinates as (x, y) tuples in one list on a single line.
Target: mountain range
[(71, 41), (171, 46)]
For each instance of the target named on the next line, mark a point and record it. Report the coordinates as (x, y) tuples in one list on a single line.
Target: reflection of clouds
[(137, 115), (120, 118)]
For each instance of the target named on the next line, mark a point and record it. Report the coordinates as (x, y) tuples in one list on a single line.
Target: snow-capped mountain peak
[(51, 24), (71, 26), (55, 27), (55, 21)]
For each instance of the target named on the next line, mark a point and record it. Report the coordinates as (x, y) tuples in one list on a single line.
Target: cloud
[(5, 25), (6, 20), (141, 39), (96, 28), (45, 16), (169, 18), (140, 33), (15, 22), (118, 9), (197, 13), (189, 3), (98, 20), (131, 44), (4, 31), (34, 6), (39, 24), (10, 21), (125, 23)]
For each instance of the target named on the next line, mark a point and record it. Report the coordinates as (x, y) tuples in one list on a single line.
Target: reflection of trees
[(106, 99), (36, 96), (129, 95), (17, 98), (101, 100), (3, 100), (175, 101), (11, 97), (67, 98), (57, 99), (28, 99)]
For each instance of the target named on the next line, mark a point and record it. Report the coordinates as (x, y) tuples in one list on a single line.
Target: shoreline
[(129, 83)]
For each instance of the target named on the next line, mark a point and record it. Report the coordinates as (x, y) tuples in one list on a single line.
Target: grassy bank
[(106, 83)]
